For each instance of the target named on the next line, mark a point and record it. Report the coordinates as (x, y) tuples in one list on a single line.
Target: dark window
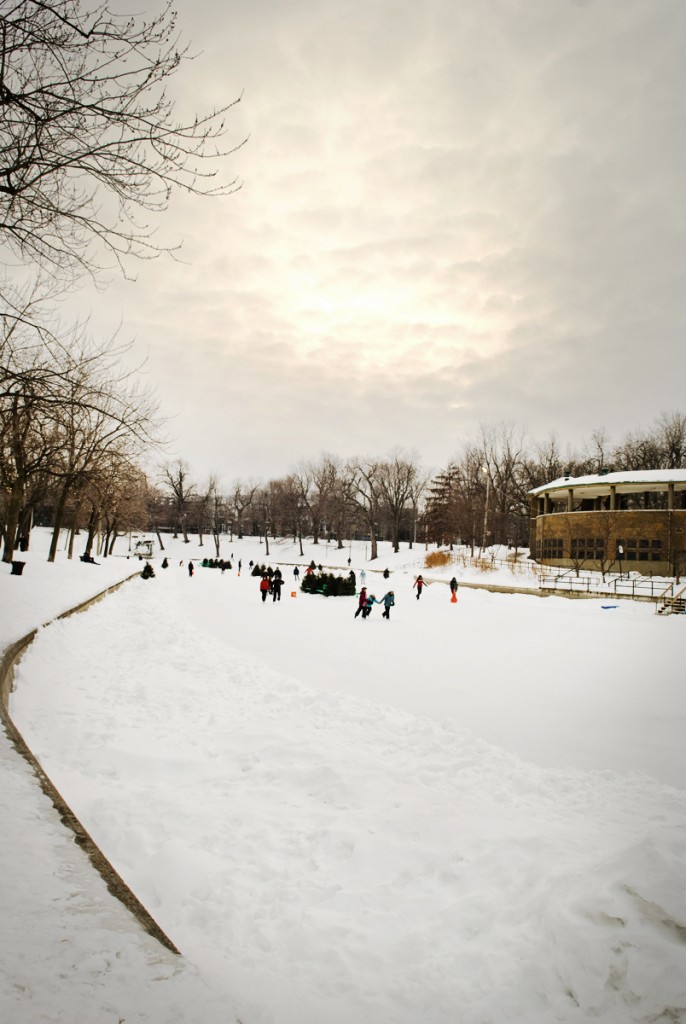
[(587, 547)]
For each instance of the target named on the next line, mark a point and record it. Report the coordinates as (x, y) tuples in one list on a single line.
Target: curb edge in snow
[(112, 879)]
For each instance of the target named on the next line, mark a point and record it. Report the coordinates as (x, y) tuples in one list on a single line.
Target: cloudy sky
[(453, 213)]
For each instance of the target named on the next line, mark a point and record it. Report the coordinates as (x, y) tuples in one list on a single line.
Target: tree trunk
[(12, 519), (159, 536), (57, 526), (26, 524), (91, 532), (115, 534)]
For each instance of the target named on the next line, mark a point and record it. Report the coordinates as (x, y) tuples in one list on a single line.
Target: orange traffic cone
[(294, 593), (453, 599)]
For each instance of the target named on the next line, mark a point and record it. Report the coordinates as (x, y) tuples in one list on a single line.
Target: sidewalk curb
[(113, 880)]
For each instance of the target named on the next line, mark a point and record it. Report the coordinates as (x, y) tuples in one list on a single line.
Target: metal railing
[(613, 585)]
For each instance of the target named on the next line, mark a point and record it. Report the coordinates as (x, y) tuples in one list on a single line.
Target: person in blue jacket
[(369, 604), (388, 602)]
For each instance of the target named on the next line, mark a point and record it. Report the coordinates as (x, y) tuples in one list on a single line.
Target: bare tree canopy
[(89, 139), (65, 407)]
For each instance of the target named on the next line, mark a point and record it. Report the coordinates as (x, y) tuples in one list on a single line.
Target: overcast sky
[(453, 213)]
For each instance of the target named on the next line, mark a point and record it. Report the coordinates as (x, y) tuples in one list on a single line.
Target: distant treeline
[(74, 435)]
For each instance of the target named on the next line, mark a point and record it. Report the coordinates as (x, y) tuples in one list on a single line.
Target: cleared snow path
[(328, 855)]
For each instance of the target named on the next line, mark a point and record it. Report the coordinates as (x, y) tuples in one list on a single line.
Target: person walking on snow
[(453, 586), (264, 587), (419, 584), (362, 601), (388, 602), (190, 568), (277, 583)]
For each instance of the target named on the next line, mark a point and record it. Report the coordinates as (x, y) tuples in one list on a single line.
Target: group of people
[(271, 585), (367, 601)]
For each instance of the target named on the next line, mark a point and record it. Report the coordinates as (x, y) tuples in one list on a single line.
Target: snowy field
[(469, 814)]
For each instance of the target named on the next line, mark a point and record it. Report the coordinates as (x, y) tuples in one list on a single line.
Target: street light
[(484, 469), (620, 552)]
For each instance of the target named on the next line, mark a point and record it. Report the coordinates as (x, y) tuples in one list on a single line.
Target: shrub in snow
[(328, 584), (437, 558)]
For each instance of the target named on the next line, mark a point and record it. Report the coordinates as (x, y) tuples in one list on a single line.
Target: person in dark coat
[(453, 586), (190, 568), (277, 583), (361, 602)]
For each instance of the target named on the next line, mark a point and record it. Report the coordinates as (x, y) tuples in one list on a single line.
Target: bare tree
[(88, 135), (367, 495), (216, 508), (398, 478), (175, 477), (671, 432), (240, 501), (103, 410), (502, 449)]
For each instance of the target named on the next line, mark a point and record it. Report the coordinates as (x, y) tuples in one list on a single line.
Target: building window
[(584, 548), (552, 547), (640, 549)]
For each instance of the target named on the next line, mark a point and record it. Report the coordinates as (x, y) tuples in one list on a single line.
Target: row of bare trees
[(327, 499), (74, 432), (74, 426)]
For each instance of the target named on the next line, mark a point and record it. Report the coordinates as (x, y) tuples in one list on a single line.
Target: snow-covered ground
[(469, 813)]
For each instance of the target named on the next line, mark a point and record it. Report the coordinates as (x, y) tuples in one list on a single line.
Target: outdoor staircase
[(672, 604)]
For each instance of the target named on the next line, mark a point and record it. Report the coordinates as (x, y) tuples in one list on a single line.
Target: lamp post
[(488, 491), (620, 552)]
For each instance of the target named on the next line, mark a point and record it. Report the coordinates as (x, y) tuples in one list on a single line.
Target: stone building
[(612, 522)]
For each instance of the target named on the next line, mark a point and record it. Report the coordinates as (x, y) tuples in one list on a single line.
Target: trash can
[(17, 568)]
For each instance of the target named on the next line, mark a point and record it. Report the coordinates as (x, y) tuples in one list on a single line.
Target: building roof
[(597, 484)]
